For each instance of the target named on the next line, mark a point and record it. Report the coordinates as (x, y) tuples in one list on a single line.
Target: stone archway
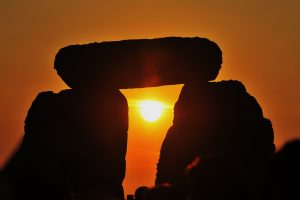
[(75, 141)]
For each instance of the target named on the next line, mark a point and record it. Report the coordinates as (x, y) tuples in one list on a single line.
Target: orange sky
[(259, 39), (144, 138)]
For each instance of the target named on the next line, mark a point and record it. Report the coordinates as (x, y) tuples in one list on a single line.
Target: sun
[(151, 110)]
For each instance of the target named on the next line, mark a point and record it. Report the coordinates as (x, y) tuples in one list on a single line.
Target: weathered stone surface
[(74, 142), (139, 63), (216, 117)]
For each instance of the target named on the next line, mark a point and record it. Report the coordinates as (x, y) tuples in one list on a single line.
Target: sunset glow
[(259, 40), (151, 110)]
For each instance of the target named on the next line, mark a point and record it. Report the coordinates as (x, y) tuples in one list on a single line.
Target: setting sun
[(151, 110)]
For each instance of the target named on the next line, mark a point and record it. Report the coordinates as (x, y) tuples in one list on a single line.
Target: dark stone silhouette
[(284, 172), (215, 117), (215, 177), (139, 63), (75, 142)]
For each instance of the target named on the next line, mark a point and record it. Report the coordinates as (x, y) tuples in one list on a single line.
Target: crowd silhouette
[(220, 145)]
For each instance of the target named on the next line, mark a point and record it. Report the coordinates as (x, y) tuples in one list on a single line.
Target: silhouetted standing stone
[(215, 117), (75, 141)]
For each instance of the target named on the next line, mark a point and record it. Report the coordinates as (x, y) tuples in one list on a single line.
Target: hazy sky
[(259, 40)]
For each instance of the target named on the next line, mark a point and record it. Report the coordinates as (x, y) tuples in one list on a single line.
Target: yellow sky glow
[(151, 110), (144, 138)]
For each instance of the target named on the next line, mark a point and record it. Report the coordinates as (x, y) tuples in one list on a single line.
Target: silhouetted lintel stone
[(139, 63)]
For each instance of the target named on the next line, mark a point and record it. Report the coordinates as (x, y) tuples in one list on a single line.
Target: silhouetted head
[(140, 192), (161, 192), (215, 177), (91, 195), (284, 172), (130, 197)]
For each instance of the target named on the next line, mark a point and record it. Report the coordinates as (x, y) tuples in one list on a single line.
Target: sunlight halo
[(151, 110)]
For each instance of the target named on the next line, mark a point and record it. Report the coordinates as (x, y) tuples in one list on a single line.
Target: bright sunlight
[(151, 110)]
